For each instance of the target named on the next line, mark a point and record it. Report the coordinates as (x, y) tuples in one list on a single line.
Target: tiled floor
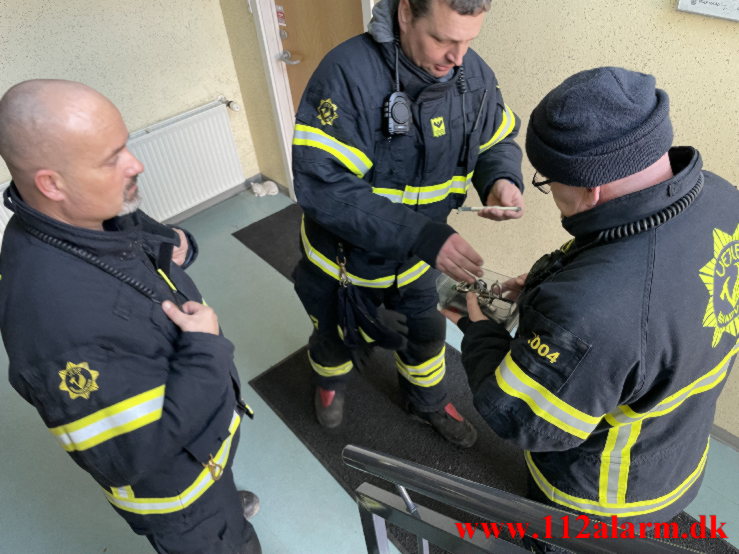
[(49, 506)]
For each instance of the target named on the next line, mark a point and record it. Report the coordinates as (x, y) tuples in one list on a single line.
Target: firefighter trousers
[(420, 365)]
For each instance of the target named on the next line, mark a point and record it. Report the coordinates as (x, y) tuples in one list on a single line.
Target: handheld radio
[(397, 108)]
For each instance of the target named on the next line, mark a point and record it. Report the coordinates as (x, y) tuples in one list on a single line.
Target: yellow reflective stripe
[(352, 158), (714, 377), (428, 194), (330, 371), (167, 279), (621, 509), (365, 336), (425, 374), (113, 421), (332, 268), (395, 195), (412, 274), (615, 463), (504, 129), (515, 382), (122, 492), (625, 465), (166, 505)]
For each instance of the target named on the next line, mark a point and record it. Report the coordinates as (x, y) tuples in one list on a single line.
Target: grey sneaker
[(249, 503), (449, 423)]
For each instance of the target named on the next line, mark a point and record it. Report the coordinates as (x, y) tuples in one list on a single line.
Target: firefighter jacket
[(623, 347), (147, 410), (386, 198)]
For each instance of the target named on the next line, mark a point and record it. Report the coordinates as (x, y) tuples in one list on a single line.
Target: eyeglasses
[(542, 186)]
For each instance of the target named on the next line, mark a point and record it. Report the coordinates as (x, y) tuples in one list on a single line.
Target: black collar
[(686, 165)]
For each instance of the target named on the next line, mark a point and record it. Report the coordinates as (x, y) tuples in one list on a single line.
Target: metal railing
[(377, 507)]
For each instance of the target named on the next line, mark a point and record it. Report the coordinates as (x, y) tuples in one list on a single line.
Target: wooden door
[(309, 29)]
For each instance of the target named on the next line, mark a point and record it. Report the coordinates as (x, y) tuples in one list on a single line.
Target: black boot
[(449, 423), (329, 406), (249, 503)]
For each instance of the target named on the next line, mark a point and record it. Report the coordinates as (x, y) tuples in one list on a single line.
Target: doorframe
[(270, 43)]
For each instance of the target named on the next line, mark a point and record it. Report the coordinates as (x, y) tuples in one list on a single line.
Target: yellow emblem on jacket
[(79, 380), (721, 277), (437, 127), (327, 112)]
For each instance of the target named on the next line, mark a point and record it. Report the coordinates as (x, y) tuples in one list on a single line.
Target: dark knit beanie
[(598, 126)]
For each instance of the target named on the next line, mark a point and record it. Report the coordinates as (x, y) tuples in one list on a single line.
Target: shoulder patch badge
[(78, 380), (327, 112), (721, 277), (437, 127)]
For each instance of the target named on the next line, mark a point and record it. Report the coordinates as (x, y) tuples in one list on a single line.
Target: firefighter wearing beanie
[(626, 334)]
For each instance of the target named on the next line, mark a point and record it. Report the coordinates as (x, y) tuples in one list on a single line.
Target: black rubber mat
[(374, 419), (275, 239)]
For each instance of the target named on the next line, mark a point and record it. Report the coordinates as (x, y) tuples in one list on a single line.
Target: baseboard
[(725, 437)]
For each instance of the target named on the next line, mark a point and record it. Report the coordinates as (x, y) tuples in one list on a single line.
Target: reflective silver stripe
[(425, 374), (330, 371), (394, 195), (505, 128), (352, 158), (623, 509), (545, 404), (410, 275), (118, 419), (616, 463), (624, 414), (429, 194), (332, 268), (202, 483)]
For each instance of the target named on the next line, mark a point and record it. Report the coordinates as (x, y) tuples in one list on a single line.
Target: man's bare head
[(36, 116), (65, 146)]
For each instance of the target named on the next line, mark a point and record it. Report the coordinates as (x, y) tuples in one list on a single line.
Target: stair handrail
[(489, 503)]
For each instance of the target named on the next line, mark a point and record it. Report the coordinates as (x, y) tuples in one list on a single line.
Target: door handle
[(287, 57)]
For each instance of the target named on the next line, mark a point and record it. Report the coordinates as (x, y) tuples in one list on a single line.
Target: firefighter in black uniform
[(105, 336), (627, 334), (393, 128)]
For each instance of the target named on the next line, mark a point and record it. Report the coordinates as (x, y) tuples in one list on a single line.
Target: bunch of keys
[(491, 298)]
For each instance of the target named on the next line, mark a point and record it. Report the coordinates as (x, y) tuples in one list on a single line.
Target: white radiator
[(188, 159)]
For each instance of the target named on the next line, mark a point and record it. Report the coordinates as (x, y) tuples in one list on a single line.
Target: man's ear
[(593, 197), (50, 184), (405, 16)]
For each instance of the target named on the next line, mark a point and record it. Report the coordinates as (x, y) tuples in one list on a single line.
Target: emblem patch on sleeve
[(327, 112), (721, 277), (437, 127), (78, 380)]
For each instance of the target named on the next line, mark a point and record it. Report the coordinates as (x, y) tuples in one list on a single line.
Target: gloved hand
[(359, 316), (396, 323), (393, 322)]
